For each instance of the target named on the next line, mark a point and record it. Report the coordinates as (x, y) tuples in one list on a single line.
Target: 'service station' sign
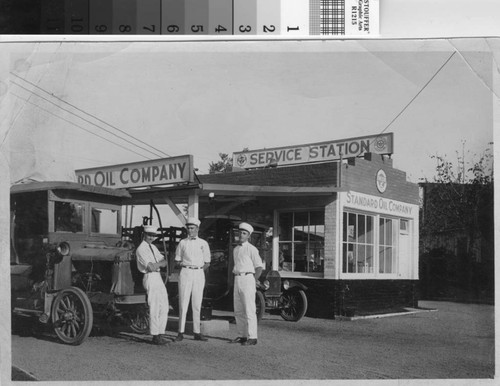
[(315, 152), (163, 171)]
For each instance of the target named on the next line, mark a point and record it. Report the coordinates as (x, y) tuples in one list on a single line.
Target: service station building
[(335, 216)]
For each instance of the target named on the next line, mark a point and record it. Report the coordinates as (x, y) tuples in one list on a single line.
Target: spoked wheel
[(260, 303), (294, 305), (139, 320), (72, 316)]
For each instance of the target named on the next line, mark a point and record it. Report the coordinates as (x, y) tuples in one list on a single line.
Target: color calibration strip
[(210, 17)]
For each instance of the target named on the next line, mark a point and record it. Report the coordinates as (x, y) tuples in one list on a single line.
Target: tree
[(224, 165), (457, 214)]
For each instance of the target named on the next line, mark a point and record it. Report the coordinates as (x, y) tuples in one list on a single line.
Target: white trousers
[(191, 285), (244, 306), (157, 301)]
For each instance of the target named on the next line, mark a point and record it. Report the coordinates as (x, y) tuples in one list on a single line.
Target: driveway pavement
[(454, 343)]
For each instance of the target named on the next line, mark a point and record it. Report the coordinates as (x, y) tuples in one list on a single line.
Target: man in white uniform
[(247, 270), (149, 262), (193, 255)]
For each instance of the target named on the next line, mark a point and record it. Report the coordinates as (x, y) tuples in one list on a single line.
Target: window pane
[(369, 258), (388, 232), (301, 226), (316, 257), (286, 223), (381, 258), (350, 258), (104, 221), (68, 217), (369, 229), (361, 259), (381, 232), (285, 256), (351, 227), (361, 229), (300, 257), (388, 260)]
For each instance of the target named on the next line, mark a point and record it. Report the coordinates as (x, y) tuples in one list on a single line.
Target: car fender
[(296, 285)]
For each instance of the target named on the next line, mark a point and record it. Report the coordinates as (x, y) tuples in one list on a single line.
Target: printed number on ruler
[(197, 28)]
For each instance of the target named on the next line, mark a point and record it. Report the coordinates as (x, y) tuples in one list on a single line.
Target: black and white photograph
[(307, 210)]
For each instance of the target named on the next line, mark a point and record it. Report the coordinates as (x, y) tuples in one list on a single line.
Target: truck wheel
[(293, 305), (72, 316), (260, 305), (139, 320)]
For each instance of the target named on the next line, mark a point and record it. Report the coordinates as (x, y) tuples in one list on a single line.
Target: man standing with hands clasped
[(149, 261), (193, 255), (247, 269)]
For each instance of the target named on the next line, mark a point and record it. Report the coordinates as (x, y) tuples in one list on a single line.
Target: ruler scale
[(242, 18)]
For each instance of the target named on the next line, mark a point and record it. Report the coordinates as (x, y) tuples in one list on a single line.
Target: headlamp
[(63, 248)]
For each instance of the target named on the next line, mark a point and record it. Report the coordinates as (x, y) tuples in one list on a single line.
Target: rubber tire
[(75, 303), (295, 305), (260, 305)]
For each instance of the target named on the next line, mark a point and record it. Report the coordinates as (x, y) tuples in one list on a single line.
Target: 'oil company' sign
[(163, 171), (315, 152)]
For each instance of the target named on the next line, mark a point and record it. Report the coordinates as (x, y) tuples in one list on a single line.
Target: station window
[(358, 243), (370, 243), (301, 241)]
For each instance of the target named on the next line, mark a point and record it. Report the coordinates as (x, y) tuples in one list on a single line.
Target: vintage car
[(69, 265), (274, 293)]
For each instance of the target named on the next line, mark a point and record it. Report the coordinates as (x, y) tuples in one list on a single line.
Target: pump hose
[(162, 239)]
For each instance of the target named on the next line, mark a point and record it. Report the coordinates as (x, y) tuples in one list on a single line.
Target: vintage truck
[(69, 264)]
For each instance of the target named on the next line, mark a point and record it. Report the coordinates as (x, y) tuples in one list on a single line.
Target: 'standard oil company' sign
[(163, 171), (315, 152), (370, 203)]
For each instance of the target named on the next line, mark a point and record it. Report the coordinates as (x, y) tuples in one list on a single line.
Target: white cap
[(193, 221), (150, 229), (245, 226)]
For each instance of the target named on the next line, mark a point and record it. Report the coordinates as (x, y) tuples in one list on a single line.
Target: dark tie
[(154, 256)]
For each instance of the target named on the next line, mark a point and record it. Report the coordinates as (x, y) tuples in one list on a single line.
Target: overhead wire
[(413, 99), (80, 127), (90, 115), (416, 96), (84, 119)]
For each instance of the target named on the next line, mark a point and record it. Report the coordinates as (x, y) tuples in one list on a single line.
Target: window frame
[(374, 267), (293, 243), (376, 245)]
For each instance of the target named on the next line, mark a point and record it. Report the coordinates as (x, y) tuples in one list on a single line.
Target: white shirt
[(145, 254), (193, 252), (246, 258)]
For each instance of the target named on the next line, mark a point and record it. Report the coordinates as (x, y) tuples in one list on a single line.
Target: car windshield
[(68, 217)]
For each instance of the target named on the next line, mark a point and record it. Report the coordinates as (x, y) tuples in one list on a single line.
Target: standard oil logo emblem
[(241, 160), (381, 181), (380, 143)]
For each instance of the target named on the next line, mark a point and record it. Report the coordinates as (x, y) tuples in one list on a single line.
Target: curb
[(377, 316)]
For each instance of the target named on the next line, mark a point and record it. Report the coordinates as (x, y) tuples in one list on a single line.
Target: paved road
[(456, 341)]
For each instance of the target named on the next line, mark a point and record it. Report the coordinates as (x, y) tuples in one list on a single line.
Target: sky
[(147, 100)]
